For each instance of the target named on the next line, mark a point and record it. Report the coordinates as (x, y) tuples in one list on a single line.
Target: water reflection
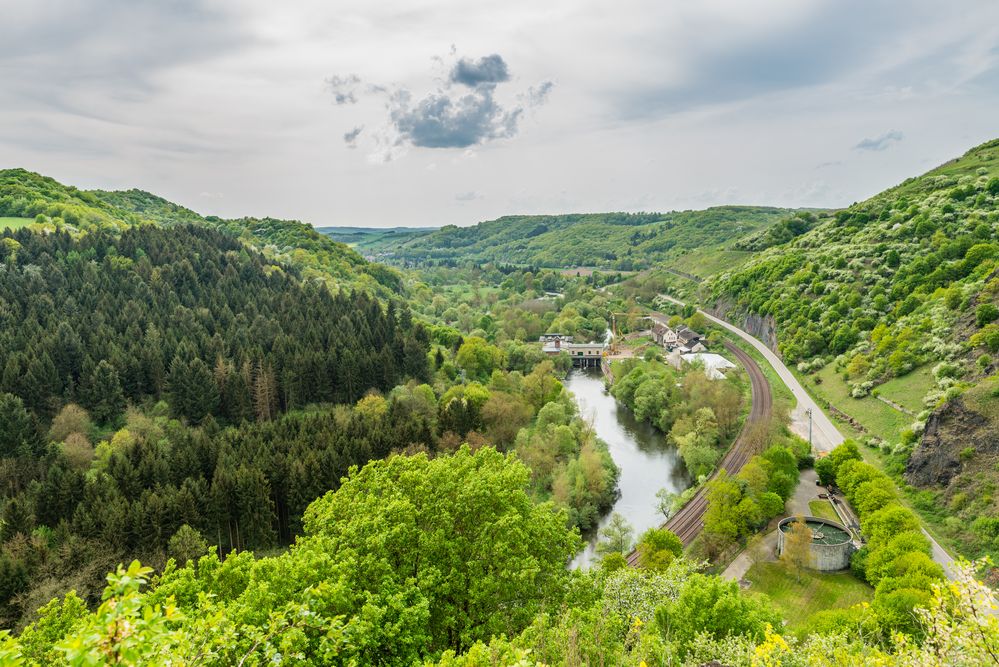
[(646, 461)]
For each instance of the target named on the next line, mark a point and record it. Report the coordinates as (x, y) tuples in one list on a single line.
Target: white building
[(714, 364)]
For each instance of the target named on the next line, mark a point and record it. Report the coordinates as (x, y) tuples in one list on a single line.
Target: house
[(686, 337), (682, 338), (663, 335), (552, 337)]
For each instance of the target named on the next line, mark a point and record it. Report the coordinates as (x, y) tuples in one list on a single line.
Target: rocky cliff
[(950, 430)]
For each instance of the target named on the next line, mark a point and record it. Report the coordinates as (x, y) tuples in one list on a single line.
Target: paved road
[(796, 504), (689, 521), (825, 435)]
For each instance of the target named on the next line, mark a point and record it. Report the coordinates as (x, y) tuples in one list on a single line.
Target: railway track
[(688, 522)]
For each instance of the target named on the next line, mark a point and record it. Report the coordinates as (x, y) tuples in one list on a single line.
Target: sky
[(433, 112)]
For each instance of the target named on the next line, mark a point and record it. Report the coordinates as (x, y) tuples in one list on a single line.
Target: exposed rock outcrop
[(762, 326), (949, 430)]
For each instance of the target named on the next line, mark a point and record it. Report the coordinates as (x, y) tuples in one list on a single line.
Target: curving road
[(825, 435), (688, 522)]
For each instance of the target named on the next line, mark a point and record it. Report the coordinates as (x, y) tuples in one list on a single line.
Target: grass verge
[(823, 509), (816, 591)]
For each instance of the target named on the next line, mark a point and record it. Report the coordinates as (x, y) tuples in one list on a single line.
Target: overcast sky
[(428, 112)]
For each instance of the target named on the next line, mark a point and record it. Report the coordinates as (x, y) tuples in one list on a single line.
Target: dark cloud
[(442, 121), (881, 142), (450, 117), (344, 88), (486, 71), (350, 138)]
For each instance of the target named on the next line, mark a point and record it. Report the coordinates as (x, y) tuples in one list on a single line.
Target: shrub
[(826, 470), (986, 313), (658, 548)]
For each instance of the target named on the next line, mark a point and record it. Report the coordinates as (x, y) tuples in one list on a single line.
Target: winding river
[(646, 461)]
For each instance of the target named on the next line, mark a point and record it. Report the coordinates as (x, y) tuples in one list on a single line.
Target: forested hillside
[(624, 241), (891, 308), (915, 260), (44, 203), (106, 336), (155, 311)]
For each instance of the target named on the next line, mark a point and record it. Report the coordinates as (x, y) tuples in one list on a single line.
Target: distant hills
[(613, 241)]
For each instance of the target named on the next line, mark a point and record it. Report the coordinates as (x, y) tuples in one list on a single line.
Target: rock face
[(763, 327), (949, 430)]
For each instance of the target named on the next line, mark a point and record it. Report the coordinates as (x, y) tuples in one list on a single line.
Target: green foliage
[(607, 240), (714, 606), (700, 414), (186, 545), (18, 429), (886, 274), (658, 548), (986, 313), (616, 537), (478, 358), (739, 505), (103, 394), (459, 532), (896, 558)]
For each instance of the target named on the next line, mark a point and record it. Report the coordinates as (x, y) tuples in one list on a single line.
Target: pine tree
[(104, 396), (264, 392), (18, 429)]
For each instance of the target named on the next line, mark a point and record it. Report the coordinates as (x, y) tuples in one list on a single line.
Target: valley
[(356, 440)]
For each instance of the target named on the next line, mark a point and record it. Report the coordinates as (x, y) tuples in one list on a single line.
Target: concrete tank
[(831, 543)]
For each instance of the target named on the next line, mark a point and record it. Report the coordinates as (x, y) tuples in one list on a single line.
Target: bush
[(986, 313), (658, 548), (826, 470)]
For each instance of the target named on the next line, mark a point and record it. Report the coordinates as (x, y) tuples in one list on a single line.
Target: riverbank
[(647, 462)]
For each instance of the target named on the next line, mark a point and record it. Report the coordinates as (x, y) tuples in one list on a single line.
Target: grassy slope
[(823, 509), (15, 223), (909, 390), (604, 240), (816, 590)]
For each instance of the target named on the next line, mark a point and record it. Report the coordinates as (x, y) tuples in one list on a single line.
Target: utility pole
[(808, 412)]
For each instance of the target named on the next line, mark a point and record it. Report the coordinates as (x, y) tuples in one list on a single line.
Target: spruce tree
[(104, 396), (18, 429)]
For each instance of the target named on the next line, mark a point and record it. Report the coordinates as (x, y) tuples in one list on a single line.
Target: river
[(646, 461)]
